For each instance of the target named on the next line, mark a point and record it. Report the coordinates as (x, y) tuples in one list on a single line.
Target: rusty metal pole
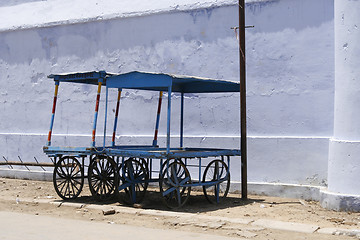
[(243, 141)]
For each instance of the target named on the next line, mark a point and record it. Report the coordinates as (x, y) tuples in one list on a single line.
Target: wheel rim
[(217, 180), (102, 177), (68, 178), (134, 181), (175, 184)]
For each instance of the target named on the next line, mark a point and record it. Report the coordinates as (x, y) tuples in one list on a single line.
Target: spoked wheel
[(134, 181), (164, 166), (68, 177), (217, 181), (175, 184), (103, 178)]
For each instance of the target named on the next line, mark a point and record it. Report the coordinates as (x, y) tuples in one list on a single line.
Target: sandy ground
[(15, 196)]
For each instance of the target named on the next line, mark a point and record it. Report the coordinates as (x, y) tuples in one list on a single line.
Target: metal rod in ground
[(243, 99), (7, 163), (39, 165), (23, 163), (33, 164)]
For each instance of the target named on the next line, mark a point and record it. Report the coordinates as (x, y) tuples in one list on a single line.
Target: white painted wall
[(344, 161), (290, 82)]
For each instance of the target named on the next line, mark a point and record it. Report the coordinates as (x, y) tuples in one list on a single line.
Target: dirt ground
[(15, 196)]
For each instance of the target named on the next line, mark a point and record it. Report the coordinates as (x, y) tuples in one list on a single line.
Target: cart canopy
[(150, 81)]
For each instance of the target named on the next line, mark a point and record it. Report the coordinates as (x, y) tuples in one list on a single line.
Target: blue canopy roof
[(151, 81)]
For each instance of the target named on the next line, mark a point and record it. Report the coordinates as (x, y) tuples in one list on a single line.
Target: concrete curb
[(286, 226), (339, 202), (338, 232), (25, 174), (208, 221)]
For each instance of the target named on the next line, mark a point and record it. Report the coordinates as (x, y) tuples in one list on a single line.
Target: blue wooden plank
[(173, 153), (145, 152), (80, 77), (139, 80), (73, 151)]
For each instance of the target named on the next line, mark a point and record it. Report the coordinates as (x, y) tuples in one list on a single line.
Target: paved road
[(20, 226)]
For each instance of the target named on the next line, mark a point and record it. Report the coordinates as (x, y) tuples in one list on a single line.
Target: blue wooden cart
[(127, 170)]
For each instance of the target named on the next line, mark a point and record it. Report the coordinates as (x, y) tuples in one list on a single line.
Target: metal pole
[(157, 119), (96, 111), (182, 121), (168, 120), (53, 112), (116, 116), (243, 142), (106, 108)]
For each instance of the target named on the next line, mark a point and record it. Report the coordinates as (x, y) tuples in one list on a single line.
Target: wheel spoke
[(106, 189), (62, 170), (77, 189), (74, 174), (60, 173), (72, 186), (96, 168), (173, 173), (67, 189), (62, 188), (71, 168), (62, 183), (109, 184), (139, 178), (184, 181), (178, 196), (95, 183)]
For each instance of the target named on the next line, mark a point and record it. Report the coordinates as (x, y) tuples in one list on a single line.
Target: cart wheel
[(217, 180), (68, 177), (175, 184), (134, 181), (164, 165), (102, 177)]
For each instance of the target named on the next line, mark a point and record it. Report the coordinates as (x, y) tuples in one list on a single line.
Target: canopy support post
[(168, 120), (53, 112), (116, 116), (182, 121), (96, 110), (157, 119), (106, 110)]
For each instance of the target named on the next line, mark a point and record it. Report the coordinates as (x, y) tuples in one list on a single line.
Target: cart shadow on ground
[(197, 203)]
